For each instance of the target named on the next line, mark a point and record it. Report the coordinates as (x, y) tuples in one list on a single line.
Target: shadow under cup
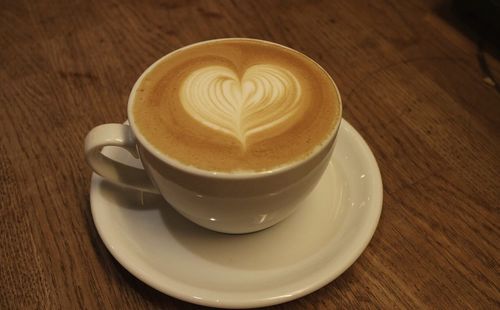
[(237, 202)]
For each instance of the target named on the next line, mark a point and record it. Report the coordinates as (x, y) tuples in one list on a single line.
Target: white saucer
[(287, 261)]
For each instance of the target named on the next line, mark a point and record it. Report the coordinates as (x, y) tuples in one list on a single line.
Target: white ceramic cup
[(220, 201)]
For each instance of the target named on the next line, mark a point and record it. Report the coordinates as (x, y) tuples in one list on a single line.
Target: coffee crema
[(236, 105)]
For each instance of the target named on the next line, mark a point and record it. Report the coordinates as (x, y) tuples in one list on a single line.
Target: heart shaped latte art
[(266, 96)]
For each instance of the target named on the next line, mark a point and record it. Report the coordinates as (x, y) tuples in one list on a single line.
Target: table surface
[(414, 85)]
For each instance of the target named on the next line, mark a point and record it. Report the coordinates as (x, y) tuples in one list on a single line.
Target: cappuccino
[(236, 105)]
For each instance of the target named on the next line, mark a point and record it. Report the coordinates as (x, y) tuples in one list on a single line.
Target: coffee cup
[(233, 133)]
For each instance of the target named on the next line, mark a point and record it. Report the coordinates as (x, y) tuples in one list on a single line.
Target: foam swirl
[(265, 97)]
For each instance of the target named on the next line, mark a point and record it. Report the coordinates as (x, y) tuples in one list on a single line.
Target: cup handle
[(110, 169)]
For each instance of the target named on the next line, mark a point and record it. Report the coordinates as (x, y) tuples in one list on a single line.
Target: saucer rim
[(332, 270)]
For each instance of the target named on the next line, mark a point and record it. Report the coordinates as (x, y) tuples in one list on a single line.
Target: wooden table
[(418, 90)]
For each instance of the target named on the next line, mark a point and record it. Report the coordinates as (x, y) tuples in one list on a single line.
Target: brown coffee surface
[(236, 105)]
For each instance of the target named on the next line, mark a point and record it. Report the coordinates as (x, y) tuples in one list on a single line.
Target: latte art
[(234, 105), (264, 97)]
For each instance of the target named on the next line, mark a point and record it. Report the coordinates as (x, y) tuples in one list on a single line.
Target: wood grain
[(411, 84)]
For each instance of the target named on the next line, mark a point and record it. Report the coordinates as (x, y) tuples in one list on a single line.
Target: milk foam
[(236, 105), (264, 97)]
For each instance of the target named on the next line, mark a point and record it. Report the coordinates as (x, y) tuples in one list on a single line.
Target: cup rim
[(224, 174)]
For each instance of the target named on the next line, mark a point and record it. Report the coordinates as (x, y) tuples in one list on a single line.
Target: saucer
[(308, 250)]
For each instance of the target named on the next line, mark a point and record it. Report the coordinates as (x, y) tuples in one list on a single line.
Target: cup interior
[(221, 174)]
